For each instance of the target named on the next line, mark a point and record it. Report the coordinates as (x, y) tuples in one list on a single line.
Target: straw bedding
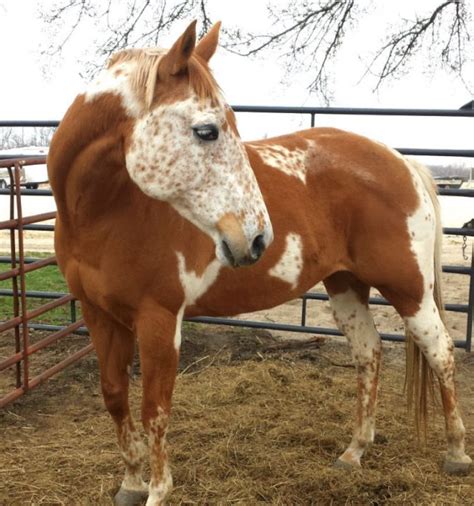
[(254, 422)]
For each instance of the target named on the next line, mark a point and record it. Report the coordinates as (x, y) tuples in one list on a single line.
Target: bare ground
[(253, 423)]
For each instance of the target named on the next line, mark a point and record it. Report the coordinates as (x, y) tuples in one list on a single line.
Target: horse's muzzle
[(237, 257)]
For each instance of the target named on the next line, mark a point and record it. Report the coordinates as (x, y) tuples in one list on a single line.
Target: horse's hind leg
[(349, 301), (114, 345), (429, 333)]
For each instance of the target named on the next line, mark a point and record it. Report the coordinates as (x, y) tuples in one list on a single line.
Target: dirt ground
[(253, 423)]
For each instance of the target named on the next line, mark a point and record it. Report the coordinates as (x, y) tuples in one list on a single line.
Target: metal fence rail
[(22, 320)]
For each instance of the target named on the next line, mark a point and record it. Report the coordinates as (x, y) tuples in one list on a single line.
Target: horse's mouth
[(228, 254)]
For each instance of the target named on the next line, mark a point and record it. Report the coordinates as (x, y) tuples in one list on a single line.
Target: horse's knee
[(115, 399)]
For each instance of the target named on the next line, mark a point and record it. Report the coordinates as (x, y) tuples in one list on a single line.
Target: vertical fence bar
[(470, 305), (21, 257), (16, 303), (303, 313), (312, 119), (73, 311)]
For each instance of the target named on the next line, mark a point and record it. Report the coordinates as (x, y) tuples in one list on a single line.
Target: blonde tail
[(419, 377)]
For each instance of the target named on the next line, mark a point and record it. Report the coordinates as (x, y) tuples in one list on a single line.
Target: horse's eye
[(208, 132)]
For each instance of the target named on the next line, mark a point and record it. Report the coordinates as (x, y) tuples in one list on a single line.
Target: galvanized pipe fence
[(22, 320)]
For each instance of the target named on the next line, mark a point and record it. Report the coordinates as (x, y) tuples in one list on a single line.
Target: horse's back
[(355, 194)]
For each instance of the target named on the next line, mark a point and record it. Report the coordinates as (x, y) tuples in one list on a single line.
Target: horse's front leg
[(115, 345), (157, 331)]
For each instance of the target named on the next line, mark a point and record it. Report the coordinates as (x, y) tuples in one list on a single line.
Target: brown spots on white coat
[(133, 452), (161, 481), (293, 162), (355, 321), (202, 180)]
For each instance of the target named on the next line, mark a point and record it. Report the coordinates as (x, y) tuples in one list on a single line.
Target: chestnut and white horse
[(159, 201)]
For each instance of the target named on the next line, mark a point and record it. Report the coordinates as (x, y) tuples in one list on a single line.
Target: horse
[(164, 213)]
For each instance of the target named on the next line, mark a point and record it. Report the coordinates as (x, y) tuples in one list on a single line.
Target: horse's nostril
[(258, 247)]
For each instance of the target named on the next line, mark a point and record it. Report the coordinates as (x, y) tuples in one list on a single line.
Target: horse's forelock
[(201, 79), (146, 62)]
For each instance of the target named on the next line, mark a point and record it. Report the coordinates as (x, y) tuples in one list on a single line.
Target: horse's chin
[(223, 256)]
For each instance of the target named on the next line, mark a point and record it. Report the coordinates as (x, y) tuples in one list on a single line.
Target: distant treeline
[(453, 170), (11, 138)]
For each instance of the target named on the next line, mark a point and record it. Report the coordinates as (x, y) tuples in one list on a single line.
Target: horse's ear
[(207, 46), (176, 59)]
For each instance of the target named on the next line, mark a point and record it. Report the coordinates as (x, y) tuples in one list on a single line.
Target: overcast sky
[(26, 93)]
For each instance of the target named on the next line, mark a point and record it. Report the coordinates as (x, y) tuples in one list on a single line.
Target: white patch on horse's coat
[(158, 491), (355, 321), (292, 162), (194, 286), (426, 326), (177, 332), (421, 227), (289, 266), (116, 80), (133, 452)]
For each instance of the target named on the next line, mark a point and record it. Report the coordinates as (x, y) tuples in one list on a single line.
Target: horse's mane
[(147, 61)]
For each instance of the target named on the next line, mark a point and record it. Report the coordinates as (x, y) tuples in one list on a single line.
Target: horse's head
[(185, 149)]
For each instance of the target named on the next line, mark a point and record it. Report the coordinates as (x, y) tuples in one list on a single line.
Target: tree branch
[(397, 52)]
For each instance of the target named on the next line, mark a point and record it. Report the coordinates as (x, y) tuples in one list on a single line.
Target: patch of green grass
[(46, 279)]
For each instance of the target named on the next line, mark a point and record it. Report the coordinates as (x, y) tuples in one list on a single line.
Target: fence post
[(21, 255), (303, 312), (73, 311), (470, 309)]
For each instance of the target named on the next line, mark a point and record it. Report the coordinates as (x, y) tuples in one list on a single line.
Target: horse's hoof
[(126, 497), (457, 467), (344, 464)]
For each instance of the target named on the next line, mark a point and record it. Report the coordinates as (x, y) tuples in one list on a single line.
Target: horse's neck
[(86, 159)]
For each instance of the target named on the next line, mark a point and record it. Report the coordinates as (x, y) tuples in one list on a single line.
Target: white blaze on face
[(292, 162), (202, 180), (289, 266)]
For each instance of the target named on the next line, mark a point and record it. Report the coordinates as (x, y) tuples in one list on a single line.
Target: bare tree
[(12, 138), (117, 25), (310, 34), (443, 32), (304, 34)]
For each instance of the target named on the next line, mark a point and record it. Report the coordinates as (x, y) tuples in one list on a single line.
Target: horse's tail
[(419, 378)]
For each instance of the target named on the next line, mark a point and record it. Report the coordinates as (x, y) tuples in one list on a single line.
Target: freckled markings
[(290, 161), (355, 321), (133, 452), (290, 265), (202, 181), (162, 482)]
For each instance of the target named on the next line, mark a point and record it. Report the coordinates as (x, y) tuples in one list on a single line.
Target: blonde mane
[(143, 78)]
